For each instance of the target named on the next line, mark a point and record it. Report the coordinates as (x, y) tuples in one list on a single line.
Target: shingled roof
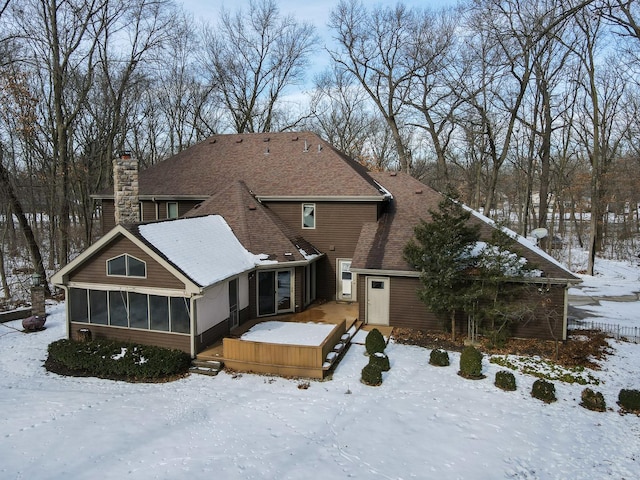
[(286, 164), (380, 246), (255, 226)]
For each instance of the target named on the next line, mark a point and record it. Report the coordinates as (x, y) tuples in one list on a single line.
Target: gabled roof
[(204, 248), (273, 165), (380, 246), (255, 226), (200, 251)]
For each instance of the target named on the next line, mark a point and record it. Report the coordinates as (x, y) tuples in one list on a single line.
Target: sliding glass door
[(275, 292)]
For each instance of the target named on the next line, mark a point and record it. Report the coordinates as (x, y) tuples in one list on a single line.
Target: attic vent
[(239, 140), (266, 151), (393, 174), (288, 254), (306, 146), (419, 191), (266, 139), (252, 207), (212, 141), (294, 139), (319, 148)]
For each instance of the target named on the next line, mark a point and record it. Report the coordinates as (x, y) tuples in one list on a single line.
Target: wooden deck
[(287, 360)]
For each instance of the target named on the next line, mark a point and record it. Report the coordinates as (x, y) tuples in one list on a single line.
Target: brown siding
[(107, 219), (150, 337), (95, 269), (407, 311), (148, 211), (338, 226), (212, 335)]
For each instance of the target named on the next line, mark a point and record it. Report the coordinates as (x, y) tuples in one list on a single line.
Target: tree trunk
[(16, 208)]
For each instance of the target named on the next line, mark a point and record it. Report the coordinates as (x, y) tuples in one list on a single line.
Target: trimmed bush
[(593, 400), (439, 358), (372, 375), (629, 400), (505, 380), (471, 363), (380, 360), (543, 390), (374, 342), (116, 360)]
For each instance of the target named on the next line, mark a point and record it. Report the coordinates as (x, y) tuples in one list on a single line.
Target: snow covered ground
[(423, 422)]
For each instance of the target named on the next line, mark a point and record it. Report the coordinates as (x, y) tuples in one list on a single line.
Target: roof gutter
[(318, 198), (415, 274), (154, 198)]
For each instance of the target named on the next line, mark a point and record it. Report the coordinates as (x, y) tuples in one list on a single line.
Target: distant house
[(254, 225)]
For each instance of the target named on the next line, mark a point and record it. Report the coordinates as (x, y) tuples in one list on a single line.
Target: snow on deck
[(289, 333)]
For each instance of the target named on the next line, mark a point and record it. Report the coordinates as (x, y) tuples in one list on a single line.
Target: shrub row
[(471, 367), (116, 360)]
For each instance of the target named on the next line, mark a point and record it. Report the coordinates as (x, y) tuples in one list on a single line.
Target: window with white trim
[(308, 215), (126, 266), (172, 209)]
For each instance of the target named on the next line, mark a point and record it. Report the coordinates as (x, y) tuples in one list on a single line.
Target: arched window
[(126, 266)]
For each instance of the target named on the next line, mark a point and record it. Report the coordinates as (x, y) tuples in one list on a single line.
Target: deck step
[(206, 367)]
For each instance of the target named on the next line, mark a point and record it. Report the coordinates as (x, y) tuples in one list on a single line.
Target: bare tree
[(380, 48), (252, 57), (341, 113)]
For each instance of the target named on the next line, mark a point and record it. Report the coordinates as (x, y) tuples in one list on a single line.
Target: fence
[(619, 332)]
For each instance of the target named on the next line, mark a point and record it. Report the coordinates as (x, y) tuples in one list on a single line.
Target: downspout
[(565, 319), (194, 323), (67, 311)]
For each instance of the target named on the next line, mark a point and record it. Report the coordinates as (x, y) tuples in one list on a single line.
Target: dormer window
[(308, 215), (126, 266)]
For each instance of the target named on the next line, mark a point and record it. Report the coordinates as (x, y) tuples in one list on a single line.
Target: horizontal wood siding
[(338, 226), (212, 335), (406, 310), (148, 211), (94, 270), (108, 219), (547, 322), (145, 337)]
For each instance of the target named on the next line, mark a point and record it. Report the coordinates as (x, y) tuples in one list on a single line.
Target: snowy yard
[(423, 422)]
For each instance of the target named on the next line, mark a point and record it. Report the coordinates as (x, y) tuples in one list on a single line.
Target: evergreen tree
[(462, 274), (443, 251)]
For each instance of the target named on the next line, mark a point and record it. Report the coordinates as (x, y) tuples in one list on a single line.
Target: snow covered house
[(254, 225)]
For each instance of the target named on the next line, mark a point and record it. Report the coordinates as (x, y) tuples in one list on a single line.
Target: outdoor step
[(213, 364), (204, 371), (206, 367)]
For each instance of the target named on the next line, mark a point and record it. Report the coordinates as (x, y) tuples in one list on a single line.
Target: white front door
[(346, 282), (378, 300)]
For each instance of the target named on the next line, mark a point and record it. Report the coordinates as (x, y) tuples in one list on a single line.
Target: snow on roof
[(204, 248), (518, 238)]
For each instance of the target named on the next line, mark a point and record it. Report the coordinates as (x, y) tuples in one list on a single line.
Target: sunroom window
[(126, 266)]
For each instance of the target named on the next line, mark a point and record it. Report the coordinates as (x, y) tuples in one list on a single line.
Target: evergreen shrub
[(371, 375), (544, 390), (629, 400), (116, 360), (593, 400), (471, 363), (380, 360), (439, 358), (505, 380), (374, 342)]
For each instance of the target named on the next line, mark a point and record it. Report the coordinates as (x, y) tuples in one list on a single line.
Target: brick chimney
[(125, 189)]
